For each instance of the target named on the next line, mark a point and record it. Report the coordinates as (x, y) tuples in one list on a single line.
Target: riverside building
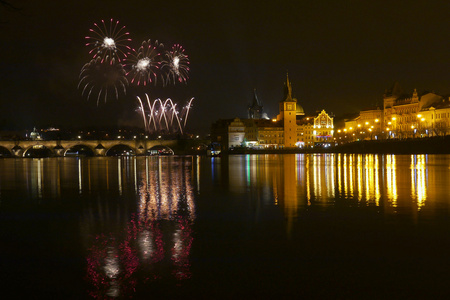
[(401, 116), (291, 128)]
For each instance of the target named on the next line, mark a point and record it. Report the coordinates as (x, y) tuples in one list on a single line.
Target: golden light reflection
[(391, 179), (80, 177), (39, 177), (360, 180), (322, 170), (119, 174), (308, 184), (419, 179), (358, 177)]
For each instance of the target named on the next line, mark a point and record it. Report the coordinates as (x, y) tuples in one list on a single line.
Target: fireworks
[(115, 64), (108, 40), (176, 65), (102, 77), (163, 116), (145, 63)]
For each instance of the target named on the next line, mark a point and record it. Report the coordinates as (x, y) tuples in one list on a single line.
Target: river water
[(242, 226)]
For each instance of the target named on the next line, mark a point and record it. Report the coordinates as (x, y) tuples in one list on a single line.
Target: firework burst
[(176, 65), (108, 40), (145, 63), (163, 116), (102, 77)]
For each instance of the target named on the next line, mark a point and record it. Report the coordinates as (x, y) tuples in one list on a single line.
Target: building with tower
[(288, 115), (255, 110), (291, 128)]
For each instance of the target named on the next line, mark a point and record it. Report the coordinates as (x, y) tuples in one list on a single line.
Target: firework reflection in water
[(155, 244)]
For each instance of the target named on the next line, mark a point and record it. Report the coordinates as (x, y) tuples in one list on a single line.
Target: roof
[(396, 90)]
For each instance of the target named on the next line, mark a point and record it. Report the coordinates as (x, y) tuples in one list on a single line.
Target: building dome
[(299, 111)]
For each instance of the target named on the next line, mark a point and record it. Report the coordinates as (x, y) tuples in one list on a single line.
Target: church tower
[(255, 110), (288, 109)]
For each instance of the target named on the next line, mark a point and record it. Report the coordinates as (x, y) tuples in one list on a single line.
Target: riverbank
[(432, 145)]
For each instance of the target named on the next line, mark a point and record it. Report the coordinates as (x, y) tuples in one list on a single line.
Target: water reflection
[(419, 175), (297, 181), (155, 242), (136, 214)]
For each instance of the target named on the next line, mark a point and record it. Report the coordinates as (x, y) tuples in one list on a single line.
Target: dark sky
[(340, 55)]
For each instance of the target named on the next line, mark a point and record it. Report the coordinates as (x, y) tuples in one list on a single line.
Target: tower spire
[(287, 89), (255, 110)]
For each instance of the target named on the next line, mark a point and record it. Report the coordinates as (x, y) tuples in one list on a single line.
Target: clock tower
[(288, 110)]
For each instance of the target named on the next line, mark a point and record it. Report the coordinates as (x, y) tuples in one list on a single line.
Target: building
[(236, 133), (434, 119), (256, 109), (402, 116), (291, 127)]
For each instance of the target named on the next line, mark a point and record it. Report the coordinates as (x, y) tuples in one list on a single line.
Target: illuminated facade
[(402, 116), (435, 119), (236, 133)]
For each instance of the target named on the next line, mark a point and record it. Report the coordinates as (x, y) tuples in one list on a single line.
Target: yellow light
[(359, 125), (367, 123), (339, 131), (345, 130), (274, 120), (419, 116), (412, 126), (423, 119), (387, 128), (351, 128), (376, 120), (394, 118), (389, 123)]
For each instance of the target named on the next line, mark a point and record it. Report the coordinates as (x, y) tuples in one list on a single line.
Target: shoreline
[(432, 145)]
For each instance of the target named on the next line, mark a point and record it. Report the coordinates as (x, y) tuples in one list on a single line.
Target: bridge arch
[(4, 152), (38, 151), (120, 150), (79, 150)]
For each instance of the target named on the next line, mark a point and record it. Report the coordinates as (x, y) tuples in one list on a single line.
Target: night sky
[(340, 56)]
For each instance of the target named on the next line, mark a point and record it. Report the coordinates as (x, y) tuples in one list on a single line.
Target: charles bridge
[(20, 148)]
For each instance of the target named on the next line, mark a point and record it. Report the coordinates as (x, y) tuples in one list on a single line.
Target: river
[(238, 226)]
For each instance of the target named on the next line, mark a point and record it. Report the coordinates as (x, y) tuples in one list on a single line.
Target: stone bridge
[(98, 147)]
